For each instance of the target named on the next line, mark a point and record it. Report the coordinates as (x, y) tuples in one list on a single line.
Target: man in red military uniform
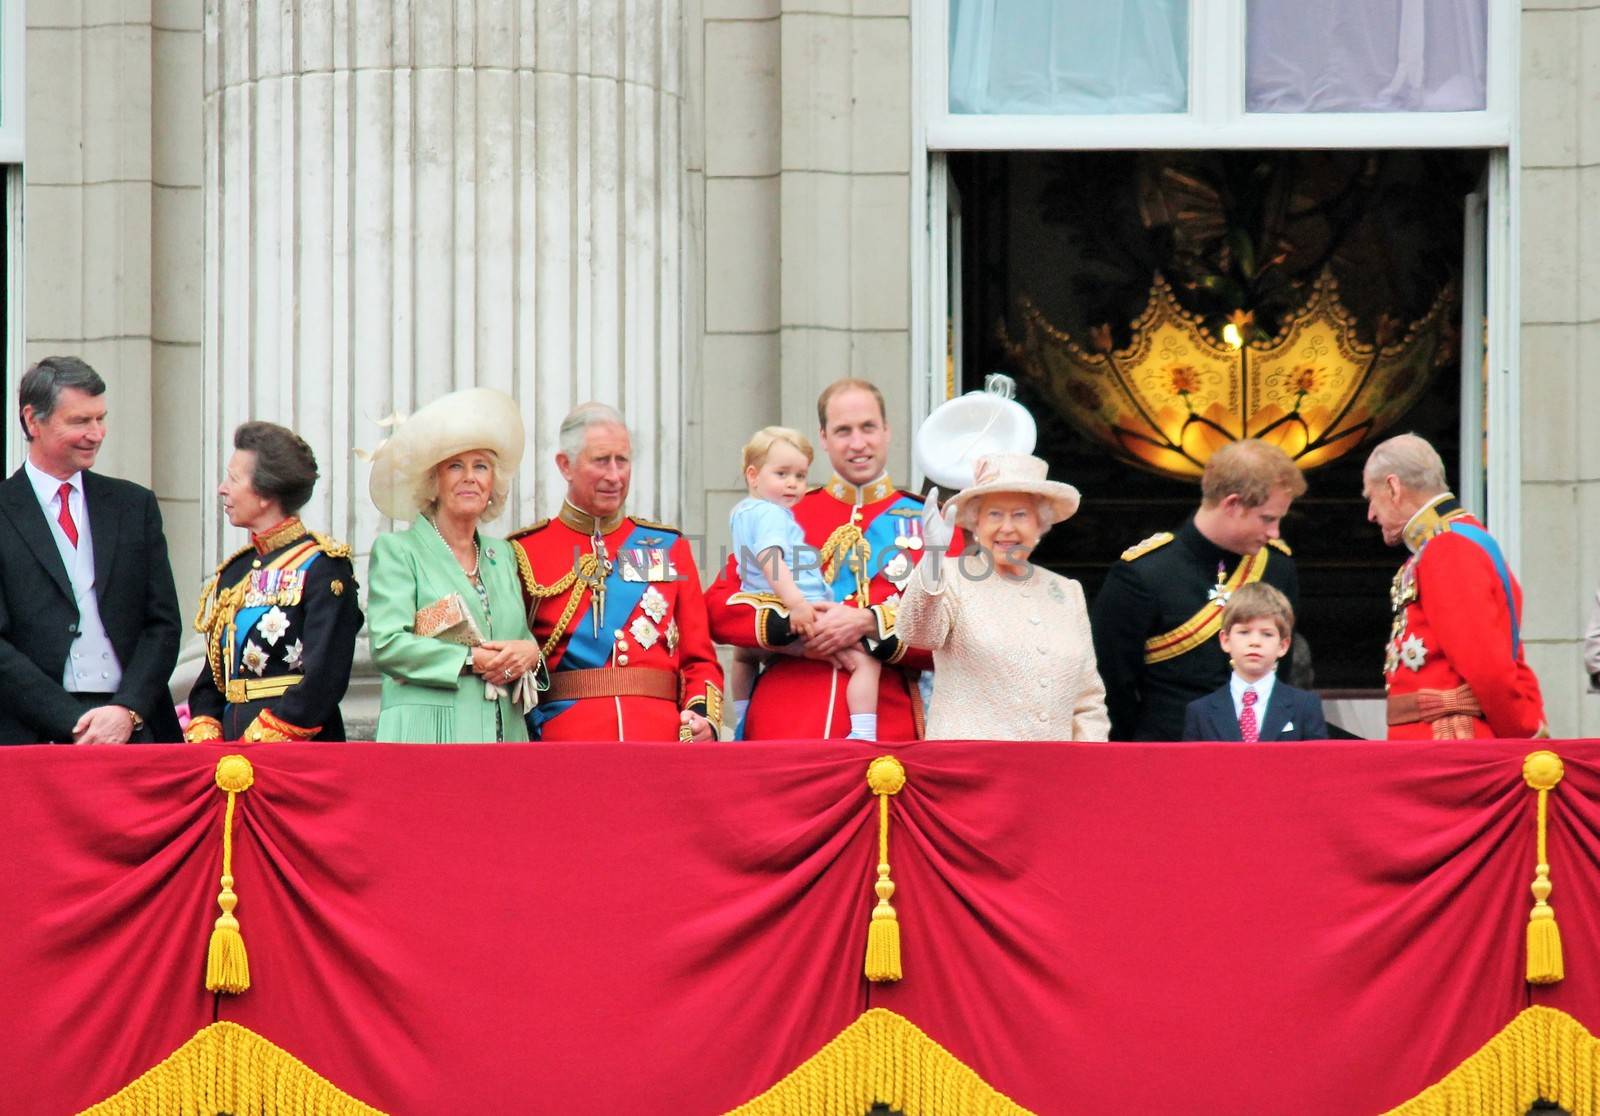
[(867, 535), (615, 603), (1455, 667)]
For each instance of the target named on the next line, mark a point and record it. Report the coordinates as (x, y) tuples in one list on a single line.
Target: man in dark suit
[(1257, 626), (89, 621)]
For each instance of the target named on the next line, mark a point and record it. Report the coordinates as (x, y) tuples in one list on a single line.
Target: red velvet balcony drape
[(1200, 928)]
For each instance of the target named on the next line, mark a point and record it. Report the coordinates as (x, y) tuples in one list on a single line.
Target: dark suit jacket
[(1212, 718), (39, 616)]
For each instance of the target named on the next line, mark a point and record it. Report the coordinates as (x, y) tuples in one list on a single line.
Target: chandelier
[(1176, 393)]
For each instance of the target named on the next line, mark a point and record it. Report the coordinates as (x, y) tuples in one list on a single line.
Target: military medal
[(1219, 591)]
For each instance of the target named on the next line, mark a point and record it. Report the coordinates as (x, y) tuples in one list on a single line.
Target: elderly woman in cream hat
[(1012, 654), (445, 610)]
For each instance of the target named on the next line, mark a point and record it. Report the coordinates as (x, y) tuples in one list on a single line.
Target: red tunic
[(1452, 627), (805, 698), (664, 629)]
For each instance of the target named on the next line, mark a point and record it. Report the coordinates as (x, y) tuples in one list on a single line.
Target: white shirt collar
[(45, 486), (1262, 686)]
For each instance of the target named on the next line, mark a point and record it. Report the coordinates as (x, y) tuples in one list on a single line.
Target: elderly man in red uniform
[(1454, 667), (867, 535), (615, 603)]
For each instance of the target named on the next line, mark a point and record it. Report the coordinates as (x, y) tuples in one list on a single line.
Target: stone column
[(404, 197), (113, 260), (800, 159), (1559, 151)]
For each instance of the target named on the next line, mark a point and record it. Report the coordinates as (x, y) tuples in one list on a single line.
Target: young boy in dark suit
[(1257, 626)]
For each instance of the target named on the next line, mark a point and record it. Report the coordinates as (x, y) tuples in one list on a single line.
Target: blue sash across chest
[(1485, 542), (880, 536), (641, 559), (265, 589)]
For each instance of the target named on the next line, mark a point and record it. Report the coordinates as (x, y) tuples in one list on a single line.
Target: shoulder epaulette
[(653, 525), (331, 546), (522, 532), (1280, 545), (1154, 542)]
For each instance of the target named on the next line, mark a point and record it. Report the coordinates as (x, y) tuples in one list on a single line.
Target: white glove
[(938, 529)]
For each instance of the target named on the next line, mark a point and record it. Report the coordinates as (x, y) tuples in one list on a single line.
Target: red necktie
[(68, 527), (1247, 718)]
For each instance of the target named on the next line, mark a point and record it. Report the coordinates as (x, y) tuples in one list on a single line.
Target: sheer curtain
[(1366, 55), (1069, 56)]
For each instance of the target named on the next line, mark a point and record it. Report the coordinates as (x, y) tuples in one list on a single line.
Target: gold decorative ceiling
[(1176, 393)]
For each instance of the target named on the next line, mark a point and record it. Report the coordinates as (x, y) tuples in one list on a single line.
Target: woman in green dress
[(447, 469)]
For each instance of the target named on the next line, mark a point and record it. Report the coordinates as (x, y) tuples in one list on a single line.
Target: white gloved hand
[(938, 526), (938, 529)]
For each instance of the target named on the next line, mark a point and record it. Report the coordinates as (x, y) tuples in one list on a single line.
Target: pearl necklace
[(477, 557)]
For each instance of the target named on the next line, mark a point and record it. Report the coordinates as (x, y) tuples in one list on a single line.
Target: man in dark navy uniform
[(1156, 619)]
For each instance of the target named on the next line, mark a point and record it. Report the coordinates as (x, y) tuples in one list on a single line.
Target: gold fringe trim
[(1542, 1054), (229, 1068), (882, 1058)]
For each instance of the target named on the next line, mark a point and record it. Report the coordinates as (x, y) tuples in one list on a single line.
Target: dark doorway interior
[(1081, 235)]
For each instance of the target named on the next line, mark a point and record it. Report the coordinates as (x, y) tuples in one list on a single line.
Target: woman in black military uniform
[(280, 617)]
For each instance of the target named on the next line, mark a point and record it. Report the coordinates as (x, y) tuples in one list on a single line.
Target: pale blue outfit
[(759, 525)]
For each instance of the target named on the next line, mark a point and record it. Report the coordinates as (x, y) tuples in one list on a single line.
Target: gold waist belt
[(241, 690)]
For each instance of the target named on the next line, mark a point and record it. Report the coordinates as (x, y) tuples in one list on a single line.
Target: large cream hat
[(1017, 472), (970, 426), (470, 419)]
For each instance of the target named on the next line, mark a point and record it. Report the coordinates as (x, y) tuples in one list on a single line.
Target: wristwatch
[(137, 722)]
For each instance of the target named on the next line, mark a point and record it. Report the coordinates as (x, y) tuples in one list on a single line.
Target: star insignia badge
[(644, 632)]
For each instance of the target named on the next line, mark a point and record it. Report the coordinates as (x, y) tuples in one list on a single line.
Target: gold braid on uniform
[(849, 548), (202, 728), (577, 579), (213, 621), (332, 547)]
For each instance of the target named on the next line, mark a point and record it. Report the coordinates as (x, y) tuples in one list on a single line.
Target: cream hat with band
[(470, 419), (1017, 472)]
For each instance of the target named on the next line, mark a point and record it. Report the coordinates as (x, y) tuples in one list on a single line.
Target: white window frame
[(13, 123), (13, 80), (1216, 120)]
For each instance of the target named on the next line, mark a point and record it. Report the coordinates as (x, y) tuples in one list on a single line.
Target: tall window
[(1015, 95)]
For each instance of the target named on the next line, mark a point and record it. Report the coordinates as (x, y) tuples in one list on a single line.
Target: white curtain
[(1366, 55), (1069, 56)]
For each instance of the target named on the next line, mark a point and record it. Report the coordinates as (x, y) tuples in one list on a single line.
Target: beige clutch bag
[(448, 619)]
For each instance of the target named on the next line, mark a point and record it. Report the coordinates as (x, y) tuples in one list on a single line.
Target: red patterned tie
[(68, 527), (1247, 718)]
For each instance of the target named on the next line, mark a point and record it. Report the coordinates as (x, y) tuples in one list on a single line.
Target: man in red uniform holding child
[(1455, 667), (866, 534)]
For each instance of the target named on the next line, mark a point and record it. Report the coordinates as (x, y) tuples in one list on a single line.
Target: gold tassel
[(885, 775), (1542, 771), (227, 964)]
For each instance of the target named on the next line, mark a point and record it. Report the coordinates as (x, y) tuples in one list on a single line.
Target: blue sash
[(584, 650), (244, 621), (879, 535), (1485, 541)]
